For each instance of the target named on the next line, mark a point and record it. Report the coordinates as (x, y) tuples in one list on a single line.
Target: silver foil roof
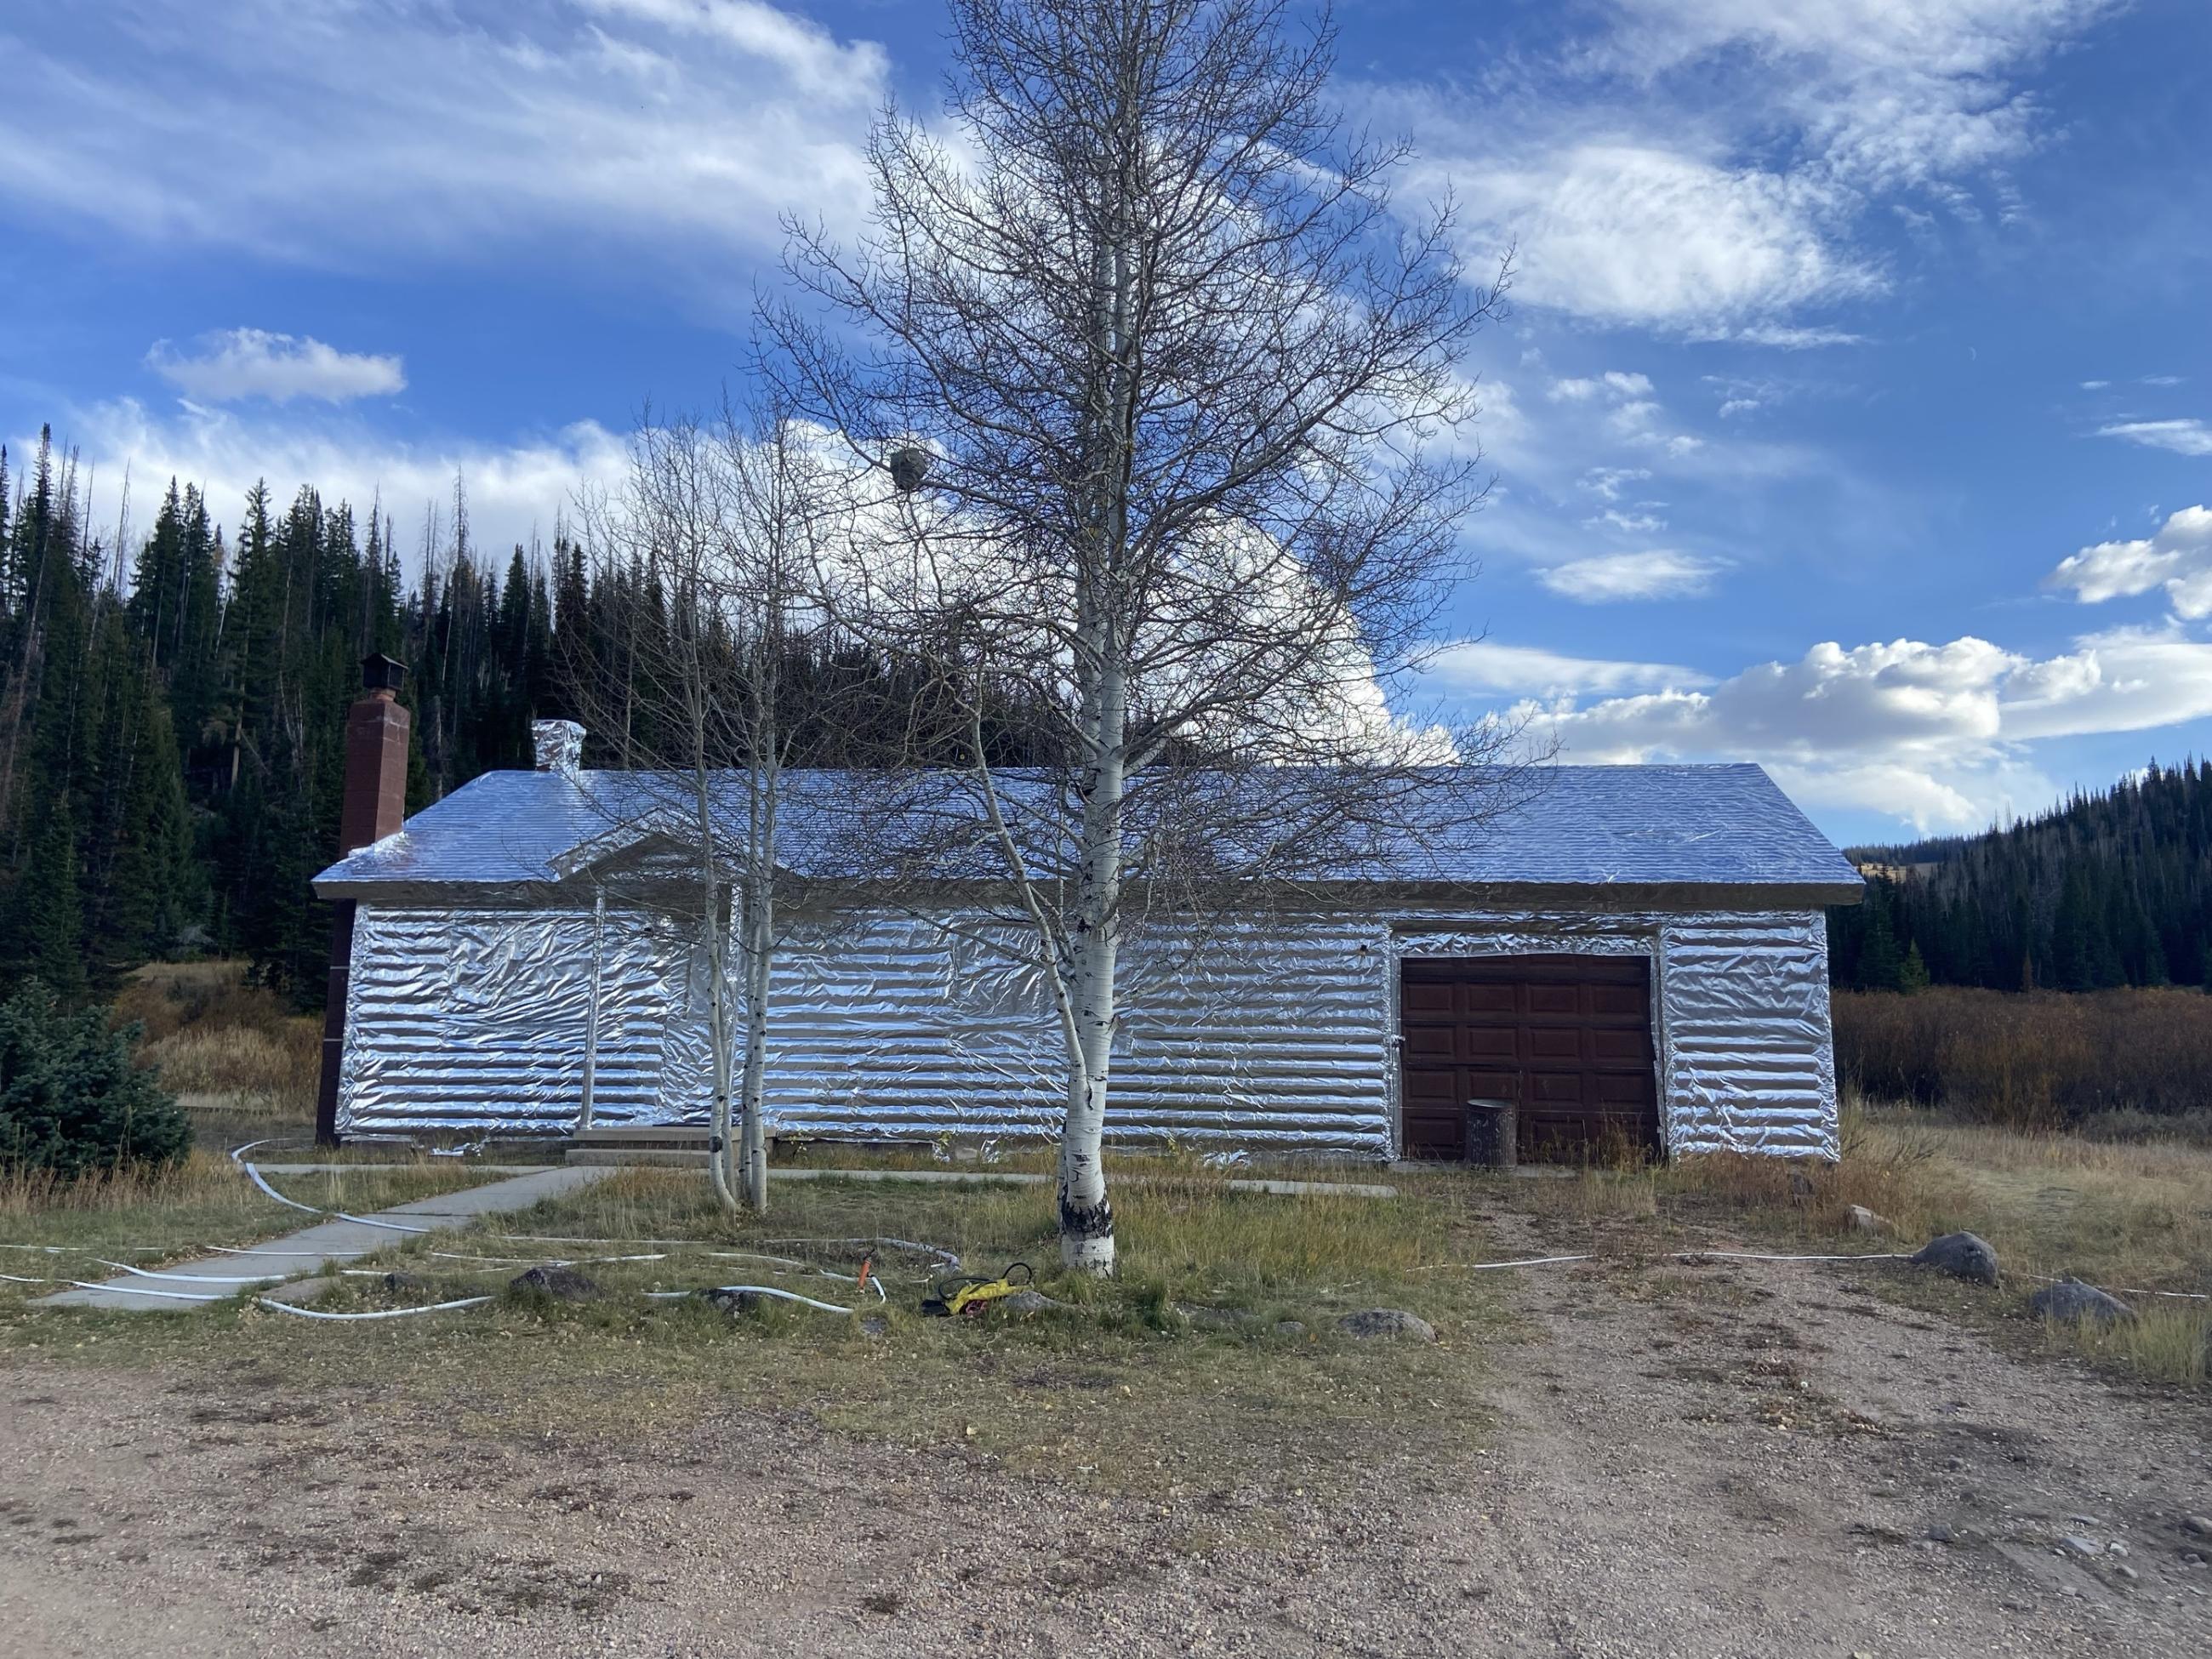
[(1569, 826), (1566, 826)]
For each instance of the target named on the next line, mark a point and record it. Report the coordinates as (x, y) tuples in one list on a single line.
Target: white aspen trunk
[(758, 946), (1086, 1214), (718, 1020)]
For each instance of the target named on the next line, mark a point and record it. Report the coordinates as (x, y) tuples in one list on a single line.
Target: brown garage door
[(1569, 1038)]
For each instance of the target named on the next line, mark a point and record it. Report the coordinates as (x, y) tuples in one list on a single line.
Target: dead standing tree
[(706, 556), (1175, 368)]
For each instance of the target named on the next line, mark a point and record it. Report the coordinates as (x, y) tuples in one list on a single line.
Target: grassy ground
[(1147, 1379), (2129, 1216), (147, 1218), (1126, 1385)]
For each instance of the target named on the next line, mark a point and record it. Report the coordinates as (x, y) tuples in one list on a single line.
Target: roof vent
[(559, 745)]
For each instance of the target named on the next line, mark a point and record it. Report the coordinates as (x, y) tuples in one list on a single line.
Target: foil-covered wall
[(1276, 1031)]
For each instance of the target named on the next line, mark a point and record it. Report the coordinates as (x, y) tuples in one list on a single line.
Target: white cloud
[(1888, 92), (1936, 735), (1636, 233), (1482, 666), (1605, 481), (1610, 577), (2189, 436), (2178, 558), (251, 362), (2094, 386), (1614, 384), (1629, 523), (1788, 338), (514, 490), (1705, 166), (343, 135)]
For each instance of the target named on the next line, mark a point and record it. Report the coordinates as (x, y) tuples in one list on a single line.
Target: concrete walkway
[(327, 1243)]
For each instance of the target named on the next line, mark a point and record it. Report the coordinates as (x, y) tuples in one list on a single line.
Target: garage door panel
[(1567, 1037), (1555, 1043), (1499, 1000), (1431, 1041), (1416, 997), (1625, 1046), (1491, 1042)]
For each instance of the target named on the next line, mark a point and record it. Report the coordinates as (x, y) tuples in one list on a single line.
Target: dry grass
[(2034, 1061), (146, 1218), (2132, 1216), (1123, 1387), (223, 1046)]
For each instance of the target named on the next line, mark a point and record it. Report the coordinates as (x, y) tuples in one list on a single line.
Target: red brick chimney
[(374, 805)]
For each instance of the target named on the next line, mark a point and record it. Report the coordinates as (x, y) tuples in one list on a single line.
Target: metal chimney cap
[(381, 673)]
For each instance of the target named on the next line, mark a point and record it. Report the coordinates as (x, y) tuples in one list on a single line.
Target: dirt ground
[(1692, 1460)]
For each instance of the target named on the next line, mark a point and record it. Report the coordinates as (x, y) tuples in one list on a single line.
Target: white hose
[(758, 1289), (134, 1290), (1754, 1255), (190, 1279), (388, 1313)]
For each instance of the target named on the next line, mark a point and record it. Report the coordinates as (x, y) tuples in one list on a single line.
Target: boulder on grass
[(1371, 1323), (1962, 1255), (561, 1284), (2070, 1300), (1861, 1219), (734, 1301)]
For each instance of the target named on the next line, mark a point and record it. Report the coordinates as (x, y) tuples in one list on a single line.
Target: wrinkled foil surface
[(1276, 1031)]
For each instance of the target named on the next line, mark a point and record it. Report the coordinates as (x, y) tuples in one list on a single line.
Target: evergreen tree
[(45, 933)]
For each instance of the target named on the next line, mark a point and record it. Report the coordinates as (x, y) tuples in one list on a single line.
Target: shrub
[(2034, 1061), (71, 1099), (217, 1041)]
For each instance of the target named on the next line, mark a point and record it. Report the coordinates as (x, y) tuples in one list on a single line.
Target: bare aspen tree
[(1160, 373), (708, 545)]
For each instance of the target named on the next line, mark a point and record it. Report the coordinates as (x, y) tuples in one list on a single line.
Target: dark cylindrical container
[(1493, 1133)]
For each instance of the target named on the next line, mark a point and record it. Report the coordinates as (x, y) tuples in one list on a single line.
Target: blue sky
[(1854, 415)]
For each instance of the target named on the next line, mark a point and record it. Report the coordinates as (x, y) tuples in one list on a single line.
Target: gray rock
[(2080, 1546), (561, 1284), (1861, 1219), (1941, 1533), (2125, 1571), (1026, 1301), (875, 1325), (2069, 1299), (406, 1283), (735, 1302), (2199, 1524), (1962, 1255), (1373, 1323)]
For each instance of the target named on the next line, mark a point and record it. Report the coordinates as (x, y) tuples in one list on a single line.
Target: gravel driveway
[(1746, 1459)]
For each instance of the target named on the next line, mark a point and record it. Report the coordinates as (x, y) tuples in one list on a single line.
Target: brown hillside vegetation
[(2036, 1060), (221, 1043)]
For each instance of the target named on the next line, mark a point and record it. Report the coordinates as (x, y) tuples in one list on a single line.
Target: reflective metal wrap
[(1276, 1031), (558, 745)]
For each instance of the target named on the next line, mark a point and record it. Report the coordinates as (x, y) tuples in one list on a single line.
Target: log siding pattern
[(1276, 1032)]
